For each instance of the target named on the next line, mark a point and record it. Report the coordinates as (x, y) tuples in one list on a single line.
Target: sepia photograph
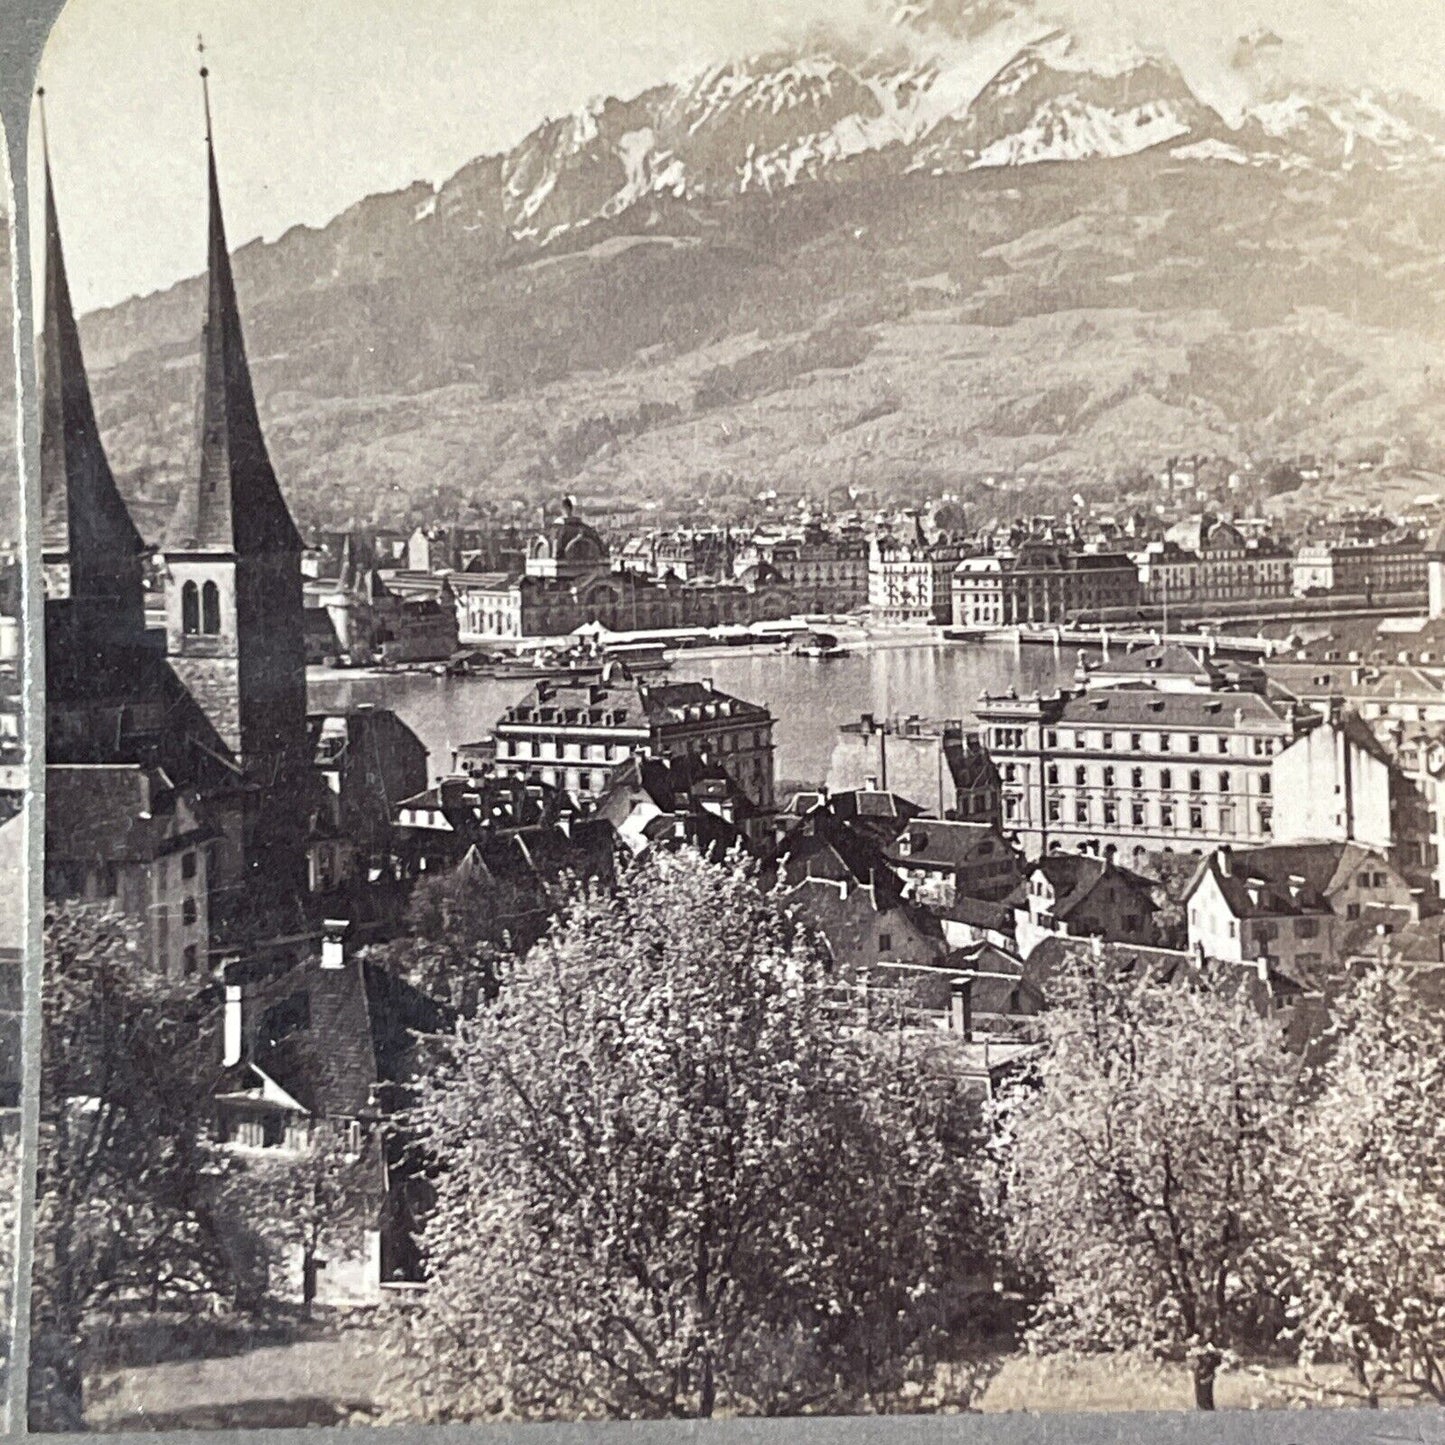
[(744, 711)]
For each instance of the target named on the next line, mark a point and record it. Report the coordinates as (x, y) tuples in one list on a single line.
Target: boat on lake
[(822, 646)]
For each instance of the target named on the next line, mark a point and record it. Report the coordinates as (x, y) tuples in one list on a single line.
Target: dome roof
[(570, 539)]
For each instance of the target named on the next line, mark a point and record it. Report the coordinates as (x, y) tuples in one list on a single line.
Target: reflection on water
[(808, 698)]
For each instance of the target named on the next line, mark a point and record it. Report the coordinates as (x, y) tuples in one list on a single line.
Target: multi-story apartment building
[(1175, 760), (1395, 569), (826, 572), (572, 737), (1129, 770), (1041, 582), (910, 579), (1206, 561)]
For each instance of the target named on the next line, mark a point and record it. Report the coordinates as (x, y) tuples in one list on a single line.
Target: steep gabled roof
[(1281, 879), (1074, 876), (120, 813), (235, 504), (82, 512)]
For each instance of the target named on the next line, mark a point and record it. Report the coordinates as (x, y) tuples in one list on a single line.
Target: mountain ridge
[(632, 292)]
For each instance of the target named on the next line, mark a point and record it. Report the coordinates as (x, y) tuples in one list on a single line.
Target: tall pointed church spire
[(85, 526), (235, 505)]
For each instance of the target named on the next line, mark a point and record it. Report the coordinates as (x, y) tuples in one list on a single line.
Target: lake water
[(808, 699)]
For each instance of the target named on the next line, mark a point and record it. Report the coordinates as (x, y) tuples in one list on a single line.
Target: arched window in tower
[(210, 609), (190, 609)]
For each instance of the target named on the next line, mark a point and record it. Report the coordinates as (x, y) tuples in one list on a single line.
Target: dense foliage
[(677, 1176), (124, 1200), (1365, 1196), (1141, 1170)]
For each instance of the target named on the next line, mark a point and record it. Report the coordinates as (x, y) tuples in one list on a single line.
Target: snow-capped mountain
[(948, 85), (962, 242), (1045, 105)]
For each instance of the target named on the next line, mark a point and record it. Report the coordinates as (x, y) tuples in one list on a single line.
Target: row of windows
[(584, 780), (1106, 741), (1195, 780), (566, 752), (1196, 817)]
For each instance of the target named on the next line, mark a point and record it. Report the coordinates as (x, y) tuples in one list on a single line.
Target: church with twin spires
[(179, 777)]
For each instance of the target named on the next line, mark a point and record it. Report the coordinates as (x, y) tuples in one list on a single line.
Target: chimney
[(960, 1006), (870, 783), (231, 1029), (1225, 855), (333, 942), (1096, 946)]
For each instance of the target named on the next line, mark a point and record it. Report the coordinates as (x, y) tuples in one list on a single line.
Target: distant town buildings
[(910, 578), (1041, 582), (1205, 560), (1373, 571)]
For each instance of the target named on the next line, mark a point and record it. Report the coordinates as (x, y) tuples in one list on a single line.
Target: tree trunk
[(1206, 1367), (57, 1381), (707, 1396)]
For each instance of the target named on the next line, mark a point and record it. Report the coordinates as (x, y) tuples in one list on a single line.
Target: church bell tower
[(234, 608)]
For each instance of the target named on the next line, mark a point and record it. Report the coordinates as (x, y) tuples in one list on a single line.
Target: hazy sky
[(320, 102)]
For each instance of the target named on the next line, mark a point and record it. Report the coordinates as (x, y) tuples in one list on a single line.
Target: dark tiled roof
[(823, 846), (1285, 879), (945, 844), (630, 703), (120, 813), (134, 709), (332, 1038), (1074, 876), (1054, 956), (235, 502), (977, 913), (313, 1036), (82, 512), (1138, 706), (1168, 659)]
